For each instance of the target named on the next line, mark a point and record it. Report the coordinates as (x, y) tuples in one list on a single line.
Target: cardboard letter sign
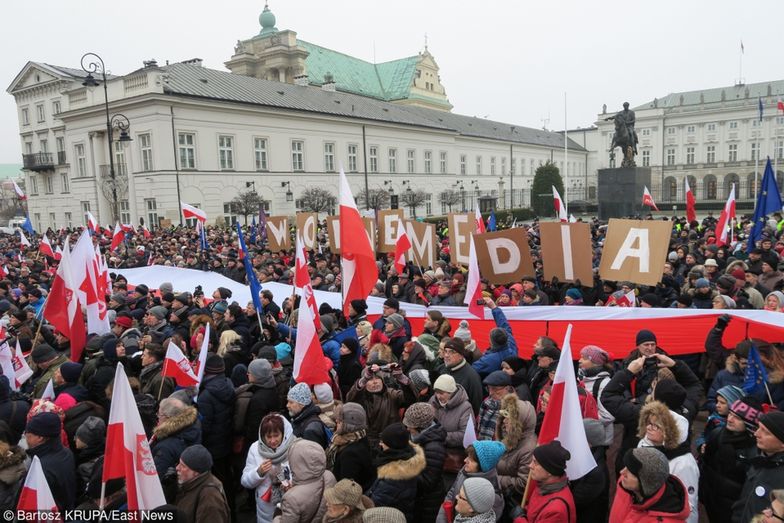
[(307, 223), (566, 251), (423, 243), (387, 229), (333, 229), (635, 251), (504, 256), (278, 233), (461, 225)]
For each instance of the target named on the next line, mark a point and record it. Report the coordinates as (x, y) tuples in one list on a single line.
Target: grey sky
[(509, 60)]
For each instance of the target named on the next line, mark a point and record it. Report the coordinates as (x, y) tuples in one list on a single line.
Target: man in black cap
[(391, 306), (456, 365), (357, 312), (157, 328), (46, 361), (151, 377), (200, 495), (551, 499), (66, 385), (42, 435)]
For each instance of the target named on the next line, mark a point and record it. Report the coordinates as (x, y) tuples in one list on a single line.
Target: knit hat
[(729, 303), (429, 342), (301, 394), (395, 436), (645, 336), (552, 457), (498, 378), (774, 422), (220, 307), (345, 492), (457, 345), (650, 299), (224, 293), (488, 453), (125, 322), (141, 289), (117, 298), (44, 424), (731, 393), (392, 303), (574, 293), (214, 365), (71, 371), (420, 378), (92, 432), (197, 458), (395, 319), (159, 312), (445, 383), (419, 416), (463, 331), (671, 393), (747, 408), (183, 298), (260, 369), (480, 494), (498, 337), (597, 355), (323, 393), (701, 283), (650, 467), (43, 352), (353, 416), (166, 287), (360, 306), (383, 515)]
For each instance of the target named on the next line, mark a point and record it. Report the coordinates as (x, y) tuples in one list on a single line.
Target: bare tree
[(378, 199), (246, 203), (316, 199), (414, 199), (450, 197), (114, 187)]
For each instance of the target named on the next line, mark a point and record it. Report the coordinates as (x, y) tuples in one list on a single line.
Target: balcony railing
[(38, 161)]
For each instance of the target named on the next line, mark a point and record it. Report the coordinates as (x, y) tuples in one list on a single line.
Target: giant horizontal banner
[(679, 331)]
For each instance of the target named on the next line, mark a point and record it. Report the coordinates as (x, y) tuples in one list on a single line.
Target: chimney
[(150, 63), (193, 61), (329, 83), (301, 79)]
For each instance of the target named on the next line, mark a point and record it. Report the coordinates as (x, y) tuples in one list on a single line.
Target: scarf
[(339, 441), (278, 455), (551, 488), (485, 517)]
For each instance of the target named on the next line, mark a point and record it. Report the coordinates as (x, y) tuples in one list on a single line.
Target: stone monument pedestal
[(620, 191)]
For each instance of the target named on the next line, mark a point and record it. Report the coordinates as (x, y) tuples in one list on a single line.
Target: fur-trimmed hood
[(12, 463), (404, 469), (664, 417), (523, 421), (175, 424)]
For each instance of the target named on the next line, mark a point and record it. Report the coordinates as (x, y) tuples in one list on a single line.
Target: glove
[(367, 374), (722, 321)]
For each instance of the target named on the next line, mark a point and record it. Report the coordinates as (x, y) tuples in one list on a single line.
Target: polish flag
[(469, 436), (302, 280), (22, 370), (63, 309), (92, 223), (691, 202), (647, 199), (189, 211), (724, 225), (19, 192), (90, 291), (628, 300), (127, 228), (177, 366), (201, 361), (308, 355), (23, 239), (480, 223), (36, 496), (563, 419), (403, 244), (3, 271), (48, 393), (560, 208), (473, 293), (44, 247), (780, 105), (356, 255), (58, 253), (146, 232), (13, 365), (117, 237), (102, 282), (128, 453)]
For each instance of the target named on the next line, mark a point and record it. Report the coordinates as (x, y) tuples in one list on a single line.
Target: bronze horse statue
[(625, 140)]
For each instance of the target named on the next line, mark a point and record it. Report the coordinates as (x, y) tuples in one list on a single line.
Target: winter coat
[(668, 505), (173, 435), (47, 375), (349, 372), (467, 376), (520, 442), (591, 492), (451, 495), (253, 402), (355, 461), (430, 484), (216, 410), (723, 474), (308, 425), (494, 356), (304, 501), (153, 382), (453, 416), (396, 484), (596, 382), (202, 499), (14, 412), (382, 408), (764, 474), (59, 469), (552, 507), (729, 375), (13, 467)]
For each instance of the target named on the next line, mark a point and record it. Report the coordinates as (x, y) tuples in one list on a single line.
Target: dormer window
[(419, 73)]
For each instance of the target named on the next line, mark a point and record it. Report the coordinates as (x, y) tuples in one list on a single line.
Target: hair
[(235, 310), (227, 339), (266, 293), (270, 424), (364, 328), (665, 419), (170, 407), (548, 343), (156, 351), (471, 452)]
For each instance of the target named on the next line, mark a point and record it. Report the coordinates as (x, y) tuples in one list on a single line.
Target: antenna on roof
[(425, 41)]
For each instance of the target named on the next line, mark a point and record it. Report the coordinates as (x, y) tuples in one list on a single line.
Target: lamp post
[(92, 63), (289, 194)]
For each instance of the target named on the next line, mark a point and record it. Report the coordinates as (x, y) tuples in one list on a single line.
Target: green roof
[(10, 170), (385, 81), (768, 91)]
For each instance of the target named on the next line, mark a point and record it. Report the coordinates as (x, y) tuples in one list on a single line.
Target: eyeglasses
[(768, 512), (654, 426)]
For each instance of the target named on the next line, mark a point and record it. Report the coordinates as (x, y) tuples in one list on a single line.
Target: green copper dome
[(267, 21)]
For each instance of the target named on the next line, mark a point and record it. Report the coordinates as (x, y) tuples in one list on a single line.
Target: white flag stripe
[(566, 245)]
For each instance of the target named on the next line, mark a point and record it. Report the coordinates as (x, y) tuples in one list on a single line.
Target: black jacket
[(14, 412), (349, 371), (253, 402), (469, 379), (430, 484), (59, 469), (307, 425), (355, 461), (171, 437), (722, 473), (764, 473), (216, 410), (592, 492), (396, 484)]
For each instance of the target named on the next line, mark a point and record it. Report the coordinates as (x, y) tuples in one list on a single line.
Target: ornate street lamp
[(289, 194)]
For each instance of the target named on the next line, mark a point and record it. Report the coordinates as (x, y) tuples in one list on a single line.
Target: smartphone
[(480, 302)]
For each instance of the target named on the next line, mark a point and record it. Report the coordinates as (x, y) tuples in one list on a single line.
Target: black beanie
[(360, 306), (392, 303), (214, 365), (671, 393), (395, 436), (774, 422), (552, 457), (644, 336)]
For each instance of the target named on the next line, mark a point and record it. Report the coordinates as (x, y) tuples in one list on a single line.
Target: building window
[(462, 164), (187, 147), (352, 158), (532, 167), (33, 184), (779, 149), (66, 187), (81, 161), (478, 165), (710, 188), (690, 155), (260, 153), (226, 152), (119, 158), (671, 130), (671, 156), (411, 156), (442, 162), (392, 160), (733, 125), (229, 217), (512, 166), (297, 156), (49, 184), (37, 220), (329, 157), (373, 157), (145, 148), (755, 123), (753, 152), (44, 145), (56, 107), (39, 109), (711, 127), (152, 212), (503, 165), (428, 162), (60, 141), (780, 120), (25, 116), (85, 210), (125, 211), (711, 154), (690, 129), (732, 155), (492, 166), (646, 158), (646, 132), (68, 220), (52, 220), (28, 147)]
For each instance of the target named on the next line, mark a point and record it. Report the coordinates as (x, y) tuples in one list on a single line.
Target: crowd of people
[(384, 439)]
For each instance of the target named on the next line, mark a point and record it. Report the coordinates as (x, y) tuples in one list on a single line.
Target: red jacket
[(670, 504), (557, 507)]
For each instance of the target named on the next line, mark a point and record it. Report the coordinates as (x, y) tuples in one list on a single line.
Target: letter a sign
[(635, 251)]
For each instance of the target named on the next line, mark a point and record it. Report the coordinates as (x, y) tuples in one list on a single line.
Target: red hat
[(124, 321), (739, 274)]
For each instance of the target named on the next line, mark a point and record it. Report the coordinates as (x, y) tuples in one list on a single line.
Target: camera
[(651, 364)]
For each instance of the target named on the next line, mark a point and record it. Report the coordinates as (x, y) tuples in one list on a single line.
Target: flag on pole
[(302, 279), (58, 253), (189, 211), (201, 361), (480, 223), (768, 202), (469, 436), (48, 393), (760, 108), (44, 247), (22, 371), (563, 419), (491, 222), (356, 255), (253, 231), (146, 232), (724, 225), (92, 223), (262, 223), (23, 239), (177, 366), (250, 274), (127, 452), (117, 237), (309, 359), (647, 199), (742, 49), (63, 309), (402, 245), (28, 226), (473, 295), (560, 208), (18, 190), (36, 496), (691, 202), (10, 362)]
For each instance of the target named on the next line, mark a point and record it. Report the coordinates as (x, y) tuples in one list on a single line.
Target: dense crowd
[(385, 438)]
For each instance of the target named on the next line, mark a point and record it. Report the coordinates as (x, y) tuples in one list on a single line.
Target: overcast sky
[(511, 61)]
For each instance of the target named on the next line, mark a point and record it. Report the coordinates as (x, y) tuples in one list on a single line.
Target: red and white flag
[(189, 211), (58, 253), (780, 105), (469, 436), (146, 232), (90, 291), (13, 364), (302, 280), (92, 223), (177, 366), (309, 364), (356, 255), (36, 497), (103, 282), (23, 239), (724, 225), (48, 393), (22, 370), (63, 309), (18, 190), (691, 202), (647, 199), (44, 247), (402, 245), (560, 208), (3, 271), (480, 223), (201, 361), (128, 453), (628, 300), (473, 295), (117, 237), (563, 419)]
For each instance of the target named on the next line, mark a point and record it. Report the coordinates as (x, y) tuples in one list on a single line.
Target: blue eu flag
[(768, 202), (491, 225), (253, 282), (756, 374)]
